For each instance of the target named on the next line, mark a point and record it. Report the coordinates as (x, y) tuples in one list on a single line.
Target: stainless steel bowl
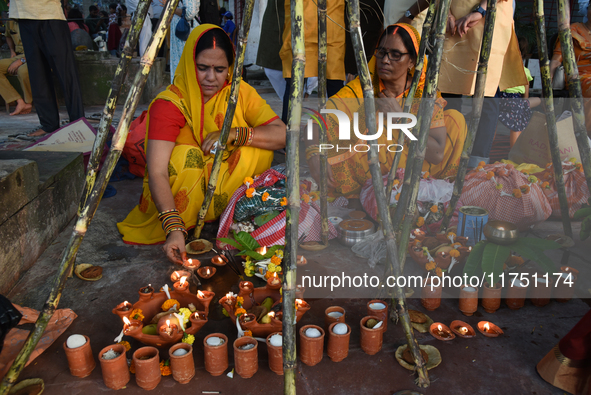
[(351, 231), (501, 232)]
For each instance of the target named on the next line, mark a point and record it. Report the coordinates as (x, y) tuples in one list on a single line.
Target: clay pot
[(443, 259), (246, 362), (115, 371), (311, 348), (371, 339), (80, 359), (147, 371), (146, 296), (565, 288), (431, 296), (183, 367), (275, 355), (468, 300), (329, 320), (541, 292), (382, 314), (216, 357), (515, 297), (491, 297), (338, 345)]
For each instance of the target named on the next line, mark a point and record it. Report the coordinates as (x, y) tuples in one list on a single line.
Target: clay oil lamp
[(206, 272), (219, 260), (123, 309), (462, 329), (167, 330), (501, 232), (443, 259), (261, 250), (246, 287), (182, 285), (132, 327), (229, 299), (274, 282), (205, 296), (245, 318), (301, 304), (301, 260), (146, 293), (441, 331), (489, 329), (418, 234), (176, 275), (192, 264)]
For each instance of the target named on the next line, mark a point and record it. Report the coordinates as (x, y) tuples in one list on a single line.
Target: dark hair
[(93, 8), (104, 14), (222, 41), (113, 6), (74, 15), (524, 47), (406, 40)]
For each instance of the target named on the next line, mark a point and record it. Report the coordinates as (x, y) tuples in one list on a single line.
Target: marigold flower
[(454, 253), (248, 333), (250, 192), (525, 188), (397, 197), (239, 311), (136, 314), (188, 338), (515, 260), (573, 160), (268, 274), (165, 369), (434, 208), (276, 260), (396, 182), (284, 201), (271, 268), (481, 163), (169, 304), (126, 345), (249, 271), (420, 222), (517, 193), (545, 185), (248, 181), (186, 313), (501, 173), (479, 168), (265, 196), (239, 301), (438, 271), (303, 186), (314, 196), (306, 198), (579, 167), (132, 367), (426, 175), (490, 175), (532, 179), (430, 266), (499, 186)]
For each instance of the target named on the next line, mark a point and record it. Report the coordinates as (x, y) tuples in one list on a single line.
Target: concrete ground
[(470, 366)]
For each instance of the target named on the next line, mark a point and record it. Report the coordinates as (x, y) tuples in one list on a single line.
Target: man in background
[(48, 50), (95, 22)]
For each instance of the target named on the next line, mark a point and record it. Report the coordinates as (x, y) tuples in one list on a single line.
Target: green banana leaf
[(493, 259), (474, 258)]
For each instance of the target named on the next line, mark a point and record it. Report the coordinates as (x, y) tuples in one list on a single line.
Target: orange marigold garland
[(169, 304), (165, 368), (490, 175), (248, 181), (126, 345), (430, 265), (136, 314), (284, 201), (454, 253), (306, 198), (426, 175), (524, 189), (434, 209), (265, 196), (517, 193), (420, 222), (438, 271), (250, 192)]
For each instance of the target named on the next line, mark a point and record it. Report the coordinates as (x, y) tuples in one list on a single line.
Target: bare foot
[(22, 108), (37, 133)]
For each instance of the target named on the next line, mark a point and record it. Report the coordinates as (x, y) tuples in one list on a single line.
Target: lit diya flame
[(439, 328), (200, 295), (263, 250), (196, 316), (463, 330), (126, 321), (299, 302), (207, 272), (487, 327), (189, 262), (183, 280), (271, 314)]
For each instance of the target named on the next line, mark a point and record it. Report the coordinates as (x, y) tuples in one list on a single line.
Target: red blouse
[(166, 121)]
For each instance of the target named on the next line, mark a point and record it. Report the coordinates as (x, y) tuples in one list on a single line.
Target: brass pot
[(501, 232)]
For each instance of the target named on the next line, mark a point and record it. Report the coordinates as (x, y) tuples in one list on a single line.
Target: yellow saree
[(351, 169), (189, 168)]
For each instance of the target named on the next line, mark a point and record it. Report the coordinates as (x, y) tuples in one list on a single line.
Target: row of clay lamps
[(540, 294)]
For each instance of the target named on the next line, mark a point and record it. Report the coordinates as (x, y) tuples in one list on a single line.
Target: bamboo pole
[(87, 213), (550, 115), (294, 118), (322, 136), (376, 175), (234, 91), (477, 102), (574, 87), (111, 103), (407, 105)]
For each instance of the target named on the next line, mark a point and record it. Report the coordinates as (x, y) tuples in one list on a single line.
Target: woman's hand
[(211, 138), (466, 23), (174, 247), (451, 24), (390, 104), (314, 163)]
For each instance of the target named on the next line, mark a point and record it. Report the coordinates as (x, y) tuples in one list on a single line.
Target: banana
[(582, 213)]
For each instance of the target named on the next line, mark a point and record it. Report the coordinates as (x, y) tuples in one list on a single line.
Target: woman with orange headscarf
[(184, 123), (391, 68)]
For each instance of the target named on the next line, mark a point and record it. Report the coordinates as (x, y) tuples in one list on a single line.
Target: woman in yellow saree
[(391, 69), (184, 124)]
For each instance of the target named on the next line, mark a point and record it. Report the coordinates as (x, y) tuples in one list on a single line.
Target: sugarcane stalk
[(374, 165), (232, 102), (407, 106), (292, 162), (550, 115), (477, 102), (322, 137), (87, 213), (111, 104), (574, 88)]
